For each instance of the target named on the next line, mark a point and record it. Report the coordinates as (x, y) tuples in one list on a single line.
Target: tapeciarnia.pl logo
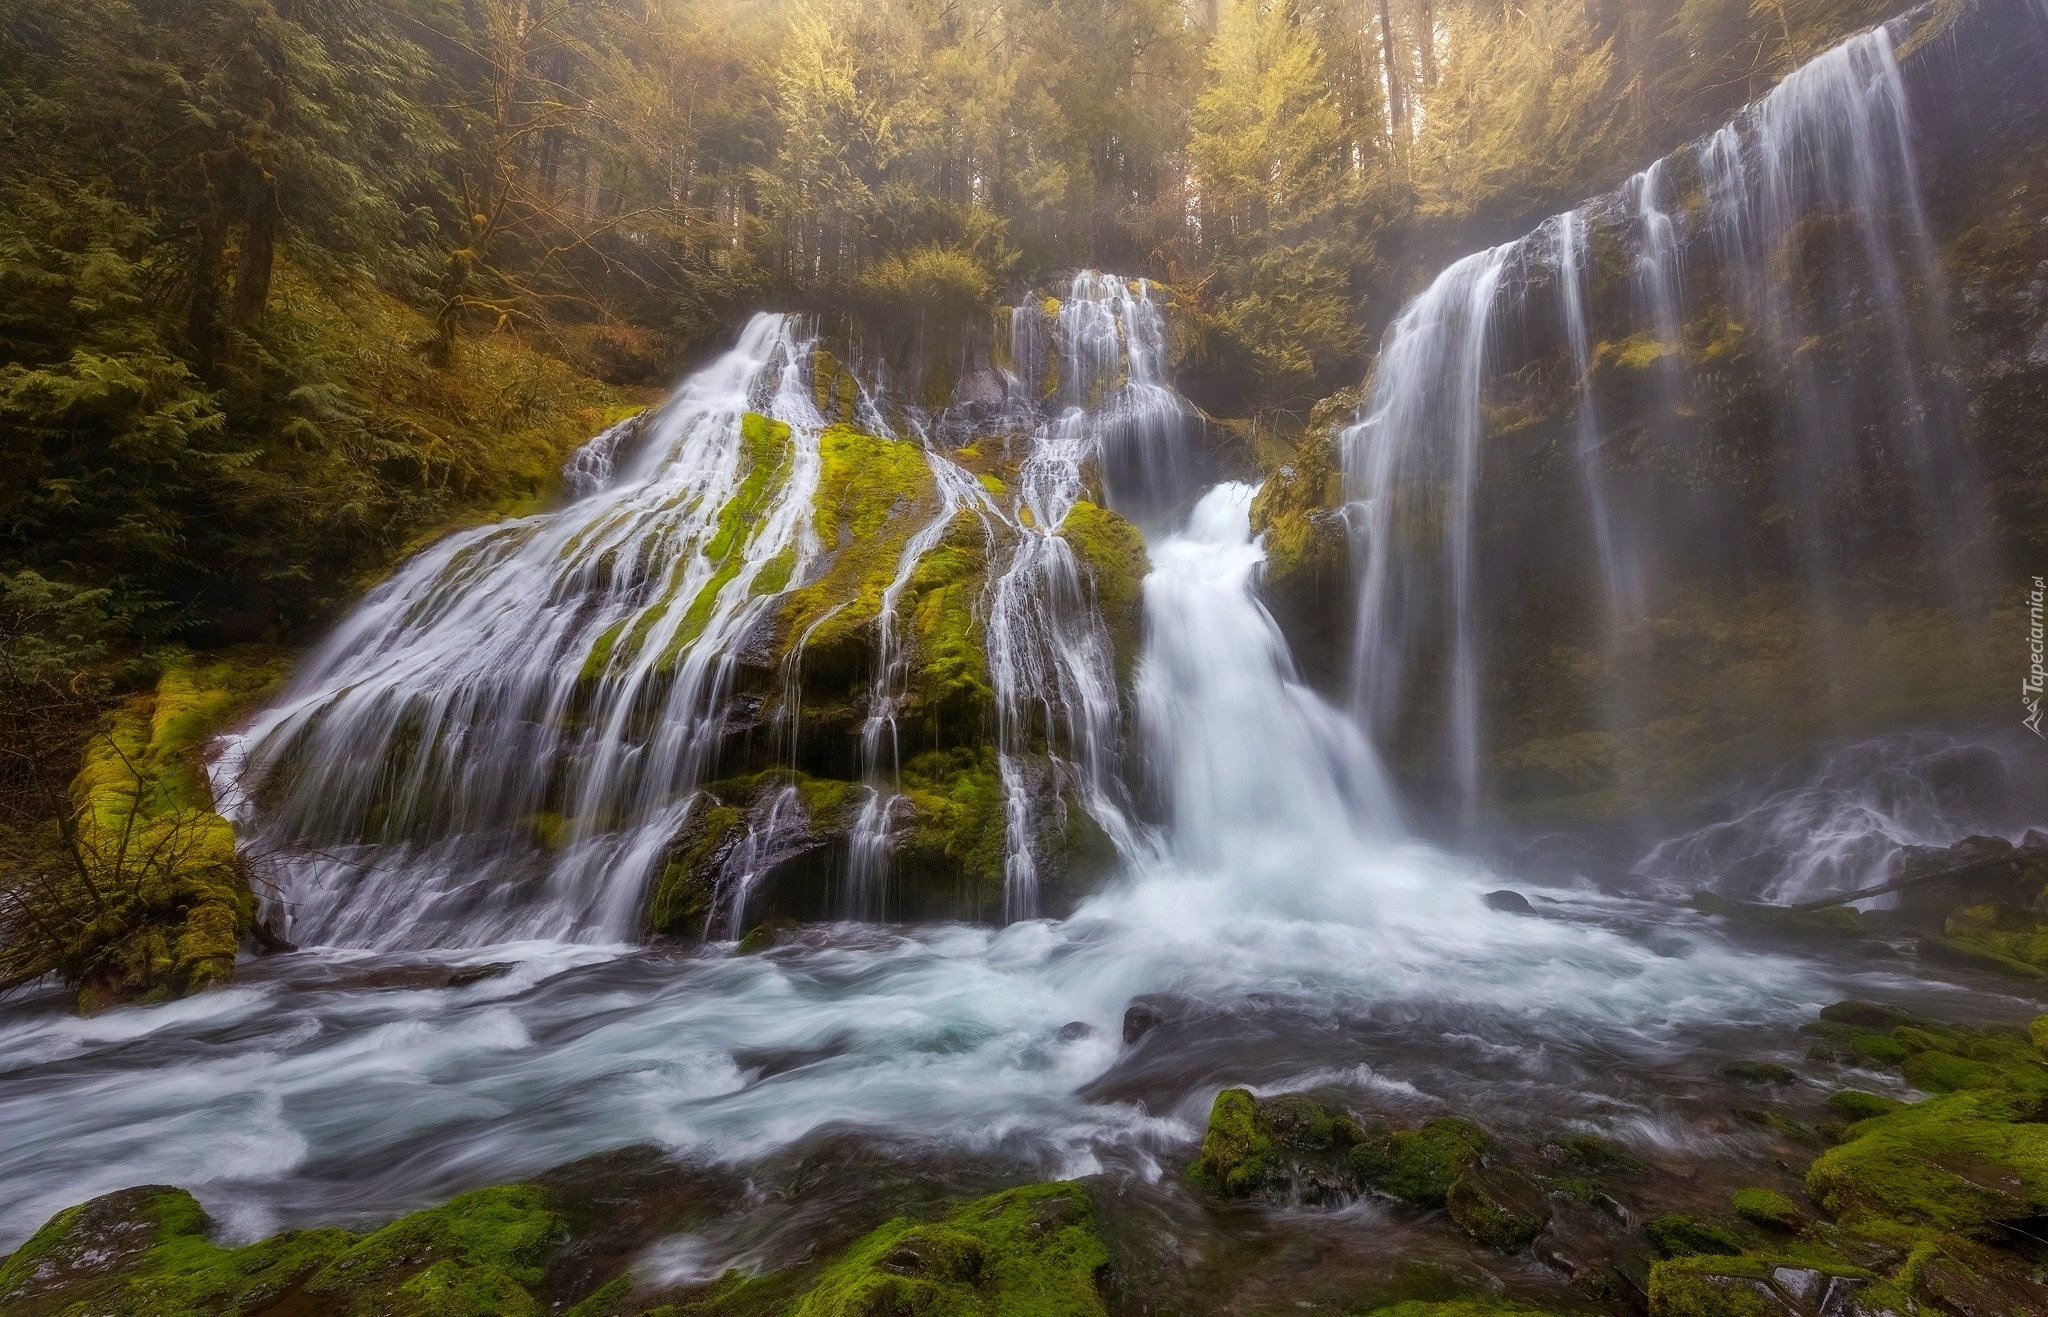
[(2030, 689)]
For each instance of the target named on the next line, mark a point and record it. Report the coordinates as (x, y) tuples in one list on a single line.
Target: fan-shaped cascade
[(1765, 307), (515, 735)]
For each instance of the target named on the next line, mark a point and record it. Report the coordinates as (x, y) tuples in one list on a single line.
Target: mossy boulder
[(1767, 1208), (1706, 1285), (1290, 1147), (1421, 1166), (1961, 1163), (1499, 1207), (1030, 1252), (1113, 552), (144, 1252), (1676, 1235)]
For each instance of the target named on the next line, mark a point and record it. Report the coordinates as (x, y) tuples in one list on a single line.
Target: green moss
[(951, 695), (1030, 1252), (1854, 1104), (1114, 554), (144, 1253), (1676, 1235), (1958, 1163), (481, 1253), (1768, 1208), (688, 884), (1238, 1158), (1498, 1207), (1999, 937), (871, 494), (957, 823), (1760, 1072), (1638, 352), (170, 902), (1421, 1166)]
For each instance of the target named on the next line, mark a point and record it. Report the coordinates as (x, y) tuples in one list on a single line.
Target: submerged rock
[(1511, 903)]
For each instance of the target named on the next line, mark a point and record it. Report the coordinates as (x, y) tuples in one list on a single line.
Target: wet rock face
[(93, 1241)]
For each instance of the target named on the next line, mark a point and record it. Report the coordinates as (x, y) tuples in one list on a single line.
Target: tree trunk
[(1397, 94), (259, 246), (1426, 20)]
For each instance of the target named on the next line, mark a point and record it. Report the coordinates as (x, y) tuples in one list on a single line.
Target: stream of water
[(470, 1006)]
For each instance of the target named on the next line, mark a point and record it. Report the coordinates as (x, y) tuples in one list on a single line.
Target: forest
[(921, 656)]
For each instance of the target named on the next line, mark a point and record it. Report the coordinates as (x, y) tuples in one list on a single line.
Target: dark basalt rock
[(1141, 1017), (1509, 902)]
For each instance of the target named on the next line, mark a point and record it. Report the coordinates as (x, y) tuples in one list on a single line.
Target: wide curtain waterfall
[(1767, 307)]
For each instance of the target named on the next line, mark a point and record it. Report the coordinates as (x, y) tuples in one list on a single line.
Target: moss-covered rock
[(1960, 1163), (1238, 1157), (1420, 1166), (156, 900), (1030, 1252), (1767, 1208), (1113, 552), (144, 1252), (1499, 1207), (1676, 1235), (1290, 1147)]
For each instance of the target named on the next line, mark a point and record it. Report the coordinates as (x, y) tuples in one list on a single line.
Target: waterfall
[(1249, 758), (1800, 230), (507, 739), (501, 740), (1423, 424)]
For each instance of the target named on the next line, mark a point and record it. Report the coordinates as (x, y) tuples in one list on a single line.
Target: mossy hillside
[(163, 901), (1030, 1252)]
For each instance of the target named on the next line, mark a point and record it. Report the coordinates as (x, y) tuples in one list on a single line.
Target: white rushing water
[(567, 674), (1287, 895)]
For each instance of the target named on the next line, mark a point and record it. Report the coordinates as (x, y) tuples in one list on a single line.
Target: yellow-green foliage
[(1030, 1252), (144, 1253), (1114, 554), (156, 903), (487, 433)]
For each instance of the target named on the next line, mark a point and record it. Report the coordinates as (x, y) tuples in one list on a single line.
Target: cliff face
[(1750, 463)]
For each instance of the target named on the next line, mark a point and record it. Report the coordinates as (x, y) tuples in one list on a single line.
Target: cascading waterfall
[(1832, 139), (1049, 655), (509, 735), (560, 677)]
